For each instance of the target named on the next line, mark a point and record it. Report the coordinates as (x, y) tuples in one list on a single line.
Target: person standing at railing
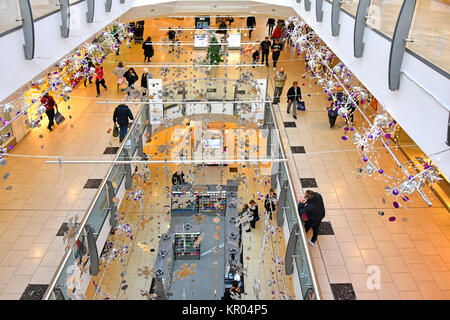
[(312, 209), (121, 115)]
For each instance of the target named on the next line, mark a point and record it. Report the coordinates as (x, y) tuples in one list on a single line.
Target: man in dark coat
[(251, 23), (265, 46), (148, 49), (121, 115), (312, 205), (294, 95), (271, 24)]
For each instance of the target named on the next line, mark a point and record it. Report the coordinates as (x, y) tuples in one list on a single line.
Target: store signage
[(202, 22), (211, 90)]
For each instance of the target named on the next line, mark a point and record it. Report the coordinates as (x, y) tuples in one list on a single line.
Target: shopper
[(351, 108), (294, 96), (148, 49), (131, 77), (233, 293), (251, 23), (144, 80), (276, 35), (270, 203), (276, 51), (255, 215), (49, 103), (171, 34), (121, 115), (88, 73), (312, 205), (99, 78), (178, 178), (222, 28), (255, 57), (333, 109), (119, 71), (279, 81), (265, 49), (271, 24)]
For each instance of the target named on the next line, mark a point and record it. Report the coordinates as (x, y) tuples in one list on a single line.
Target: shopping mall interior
[(195, 195)]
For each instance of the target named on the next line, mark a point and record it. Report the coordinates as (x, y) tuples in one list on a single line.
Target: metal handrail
[(52, 284), (294, 197)]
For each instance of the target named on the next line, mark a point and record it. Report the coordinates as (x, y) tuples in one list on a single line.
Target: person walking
[(144, 80), (99, 78), (121, 115), (271, 24), (119, 71), (280, 80), (131, 77), (276, 35), (251, 23), (49, 103), (265, 49), (312, 205), (270, 203), (333, 109), (148, 49), (171, 34), (255, 215), (276, 51), (294, 95)]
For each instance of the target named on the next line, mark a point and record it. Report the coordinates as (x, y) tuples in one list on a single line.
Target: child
[(255, 57)]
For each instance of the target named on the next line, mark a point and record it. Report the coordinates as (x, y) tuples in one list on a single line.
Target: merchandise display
[(186, 242)]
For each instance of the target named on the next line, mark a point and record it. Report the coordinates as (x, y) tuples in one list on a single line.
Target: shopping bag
[(115, 132), (59, 118), (301, 106), (121, 80)]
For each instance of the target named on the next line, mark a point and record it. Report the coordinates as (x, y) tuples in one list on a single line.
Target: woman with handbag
[(255, 215), (312, 210), (119, 71)]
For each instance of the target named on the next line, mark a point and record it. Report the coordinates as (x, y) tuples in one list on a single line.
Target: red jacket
[(276, 33), (48, 102), (99, 73)]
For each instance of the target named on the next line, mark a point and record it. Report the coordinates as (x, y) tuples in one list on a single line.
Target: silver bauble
[(357, 136), (342, 111), (62, 64), (407, 187), (381, 119), (92, 70), (369, 168), (363, 94), (67, 90), (347, 81), (320, 82), (131, 34), (337, 68), (40, 82), (8, 108), (2, 162), (41, 109)]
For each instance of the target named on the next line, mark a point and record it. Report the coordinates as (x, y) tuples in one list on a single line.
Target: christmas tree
[(214, 56)]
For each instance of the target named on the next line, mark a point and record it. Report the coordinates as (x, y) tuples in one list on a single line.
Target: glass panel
[(99, 212), (430, 31), (9, 13)]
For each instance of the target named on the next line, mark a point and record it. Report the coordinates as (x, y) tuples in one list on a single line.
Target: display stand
[(183, 200), (212, 201), (186, 244)]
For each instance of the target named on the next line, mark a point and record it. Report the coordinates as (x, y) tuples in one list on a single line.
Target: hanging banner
[(258, 107), (156, 109)]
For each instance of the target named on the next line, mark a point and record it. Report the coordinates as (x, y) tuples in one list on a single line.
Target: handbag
[(115, 132), (59, 118), (120, 80), (304, 216), (301, 106)]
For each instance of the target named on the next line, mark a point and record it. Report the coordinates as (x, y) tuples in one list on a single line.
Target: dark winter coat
[(294, 93), (121, 115), (251, 22), (148, 49), (131, 77), (314, 208), (145, 76)]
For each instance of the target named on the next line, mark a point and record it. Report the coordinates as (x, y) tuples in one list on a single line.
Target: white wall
[(423, 119)]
